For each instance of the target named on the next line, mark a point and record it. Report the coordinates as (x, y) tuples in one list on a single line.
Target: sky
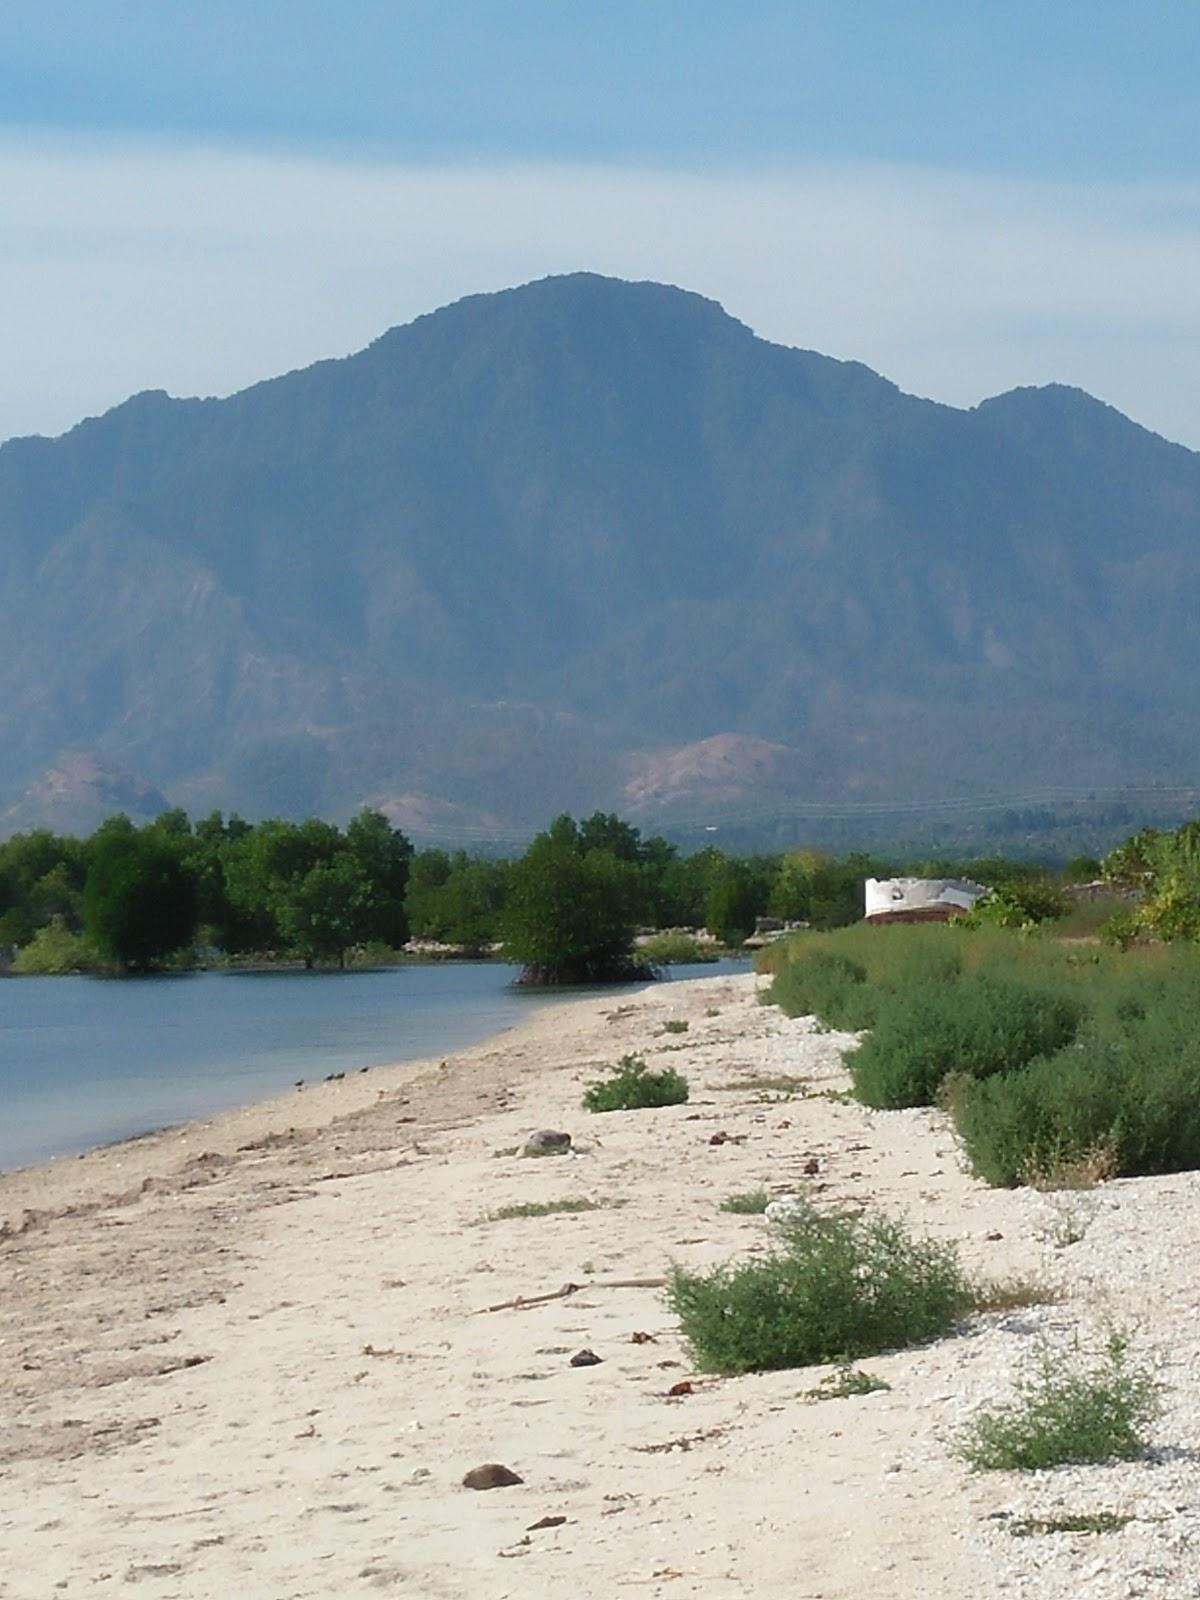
[(963, 194)]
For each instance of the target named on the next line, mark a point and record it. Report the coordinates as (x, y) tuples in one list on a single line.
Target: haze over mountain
[(587, 543)]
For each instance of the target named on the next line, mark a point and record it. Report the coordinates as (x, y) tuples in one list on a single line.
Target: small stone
[(419, 1474), (683, 1387), (492, 1475), (586, 1358), (993, 1236), (546, 1142), (546, 1522)]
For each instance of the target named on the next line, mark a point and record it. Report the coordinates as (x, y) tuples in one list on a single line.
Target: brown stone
[(490, 1476)]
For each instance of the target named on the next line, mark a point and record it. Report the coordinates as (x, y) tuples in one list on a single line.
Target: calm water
[(84, 1061)]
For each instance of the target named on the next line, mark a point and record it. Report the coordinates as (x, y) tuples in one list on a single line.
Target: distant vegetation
[(582, 904), (174, 892), (137, 899)]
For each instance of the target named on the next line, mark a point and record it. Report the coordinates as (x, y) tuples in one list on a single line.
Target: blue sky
[(965, 195)]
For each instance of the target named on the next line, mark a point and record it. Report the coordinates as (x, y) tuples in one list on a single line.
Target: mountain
[(590, 542)]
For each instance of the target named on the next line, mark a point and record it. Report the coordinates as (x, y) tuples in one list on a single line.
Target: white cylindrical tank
[(919, 898)]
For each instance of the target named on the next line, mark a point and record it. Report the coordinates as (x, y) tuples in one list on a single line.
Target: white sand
[(240, 1361)]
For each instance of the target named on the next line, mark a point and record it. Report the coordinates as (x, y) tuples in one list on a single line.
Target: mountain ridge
[(507, 546)]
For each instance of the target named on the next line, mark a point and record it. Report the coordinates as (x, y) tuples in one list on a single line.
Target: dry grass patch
[(1012, 1294), (766, 1083), (548, 1208), (1070, 1522), (1083, 1171)]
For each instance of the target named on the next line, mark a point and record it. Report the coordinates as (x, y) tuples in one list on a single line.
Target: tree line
[(136, 899)]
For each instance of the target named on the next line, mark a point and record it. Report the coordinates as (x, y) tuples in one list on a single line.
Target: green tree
[(41, 878), (322, 914), (732, 907), (139, 897), (427, 875), (604, 830), (792, 890), (1168, 867), (382, 856), (471, 902), (262, 869), (571, 917), (683, 887), (221, 922)]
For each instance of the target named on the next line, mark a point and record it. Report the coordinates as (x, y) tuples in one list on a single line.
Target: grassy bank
[(1056, 1060)]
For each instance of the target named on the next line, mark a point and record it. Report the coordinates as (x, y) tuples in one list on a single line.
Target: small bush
[(978, 1026), (845, 1382), (675, 1025), (1063, 1418), (751, 1204), (630, 1087), (836, 1288)]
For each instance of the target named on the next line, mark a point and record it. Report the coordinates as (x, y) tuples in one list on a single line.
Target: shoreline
[(256, 1355), (439, 1007), (304, 1109)]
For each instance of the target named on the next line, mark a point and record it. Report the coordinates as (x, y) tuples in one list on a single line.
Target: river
[(85, 1061)]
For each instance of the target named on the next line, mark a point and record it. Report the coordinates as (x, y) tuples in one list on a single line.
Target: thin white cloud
[(199, 270)]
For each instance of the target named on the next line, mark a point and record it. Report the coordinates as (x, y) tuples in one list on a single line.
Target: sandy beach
[(252, 1358)]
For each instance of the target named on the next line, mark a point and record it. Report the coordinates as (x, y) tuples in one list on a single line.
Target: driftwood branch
[(522, 1301)]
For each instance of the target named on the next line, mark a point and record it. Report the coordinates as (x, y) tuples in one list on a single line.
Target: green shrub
[(835, 1288), (1129, 1087), (1021, 901), (1064, 1418), (675, 1025), (976, 1026), (1120, 927), (827, 986), (630, 1087), (751, 1204)]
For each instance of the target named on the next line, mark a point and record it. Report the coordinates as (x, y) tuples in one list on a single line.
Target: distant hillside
[(594, 543)]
